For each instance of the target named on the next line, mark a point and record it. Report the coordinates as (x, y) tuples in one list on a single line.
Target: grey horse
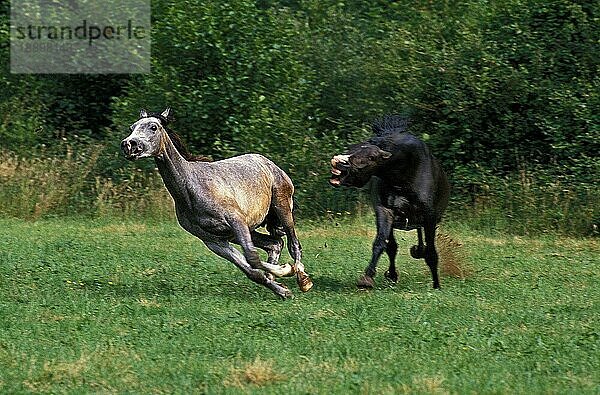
[(224, 202)]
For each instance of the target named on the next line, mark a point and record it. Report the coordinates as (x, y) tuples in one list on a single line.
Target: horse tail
[(273, 224)]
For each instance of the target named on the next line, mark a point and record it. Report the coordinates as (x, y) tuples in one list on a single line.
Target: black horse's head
[(357, 165)]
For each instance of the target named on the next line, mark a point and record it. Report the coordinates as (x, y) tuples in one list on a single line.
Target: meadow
[(105, 306)]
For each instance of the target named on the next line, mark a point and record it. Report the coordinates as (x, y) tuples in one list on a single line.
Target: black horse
[(409, 191)]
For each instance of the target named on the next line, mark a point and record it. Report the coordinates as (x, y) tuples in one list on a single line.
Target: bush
[(493, 88)]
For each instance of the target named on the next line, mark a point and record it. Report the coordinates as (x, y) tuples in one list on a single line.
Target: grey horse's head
[(147, 134)]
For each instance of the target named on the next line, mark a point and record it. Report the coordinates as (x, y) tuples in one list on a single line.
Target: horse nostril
[(131, 147)]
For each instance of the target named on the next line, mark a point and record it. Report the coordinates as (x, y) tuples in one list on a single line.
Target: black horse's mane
[(390, 124), (177, 142)]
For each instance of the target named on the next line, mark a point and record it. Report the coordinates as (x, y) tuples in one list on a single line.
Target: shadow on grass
[(236, 288), (230, 289), (332, 284)]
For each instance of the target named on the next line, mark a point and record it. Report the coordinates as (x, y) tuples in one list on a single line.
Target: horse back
[(247, 184)]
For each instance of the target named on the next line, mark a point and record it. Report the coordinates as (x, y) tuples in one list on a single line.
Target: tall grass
[(531, 202), (68, 184), (140, 194), (527, 203), (34, 187)]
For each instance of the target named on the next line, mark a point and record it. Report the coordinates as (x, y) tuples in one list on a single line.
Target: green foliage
[(21, 123), (131, 307), (492, 87), (241, 87)]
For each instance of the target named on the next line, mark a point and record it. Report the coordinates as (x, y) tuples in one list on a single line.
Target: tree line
[(501, 91)]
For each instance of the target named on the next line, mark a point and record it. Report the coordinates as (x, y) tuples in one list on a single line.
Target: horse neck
[(173, 168)]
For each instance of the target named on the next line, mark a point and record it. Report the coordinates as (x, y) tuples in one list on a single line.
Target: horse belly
[(406, 215), (255, 208), (254, 193), (206, 226)]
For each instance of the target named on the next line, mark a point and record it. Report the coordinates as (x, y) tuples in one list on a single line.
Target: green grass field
[(145, 308)]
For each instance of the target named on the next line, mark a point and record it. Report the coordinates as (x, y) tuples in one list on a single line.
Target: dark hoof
[(392, 276), (365, 282), (304, 282), (417, 253)]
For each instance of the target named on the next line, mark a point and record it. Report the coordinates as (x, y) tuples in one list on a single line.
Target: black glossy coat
[(409, 191)]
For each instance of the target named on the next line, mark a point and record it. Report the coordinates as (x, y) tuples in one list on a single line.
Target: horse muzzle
[(132, 148), (340, 168)]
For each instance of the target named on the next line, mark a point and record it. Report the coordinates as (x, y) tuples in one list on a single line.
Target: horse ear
[(167, 113), (143, 113)]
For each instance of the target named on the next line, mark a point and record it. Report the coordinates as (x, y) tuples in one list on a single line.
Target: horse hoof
[(304, 282), (416, 252), (392, 276), (365, 282), (283, 292)]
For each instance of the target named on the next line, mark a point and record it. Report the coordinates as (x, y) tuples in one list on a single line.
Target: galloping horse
[(225, 201)]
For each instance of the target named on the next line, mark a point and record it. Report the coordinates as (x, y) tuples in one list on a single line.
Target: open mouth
[(132, 155), (339, 170), (337, 177)]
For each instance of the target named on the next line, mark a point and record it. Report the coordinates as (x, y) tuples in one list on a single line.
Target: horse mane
[(390, 124), (177, 142), (187, 155)]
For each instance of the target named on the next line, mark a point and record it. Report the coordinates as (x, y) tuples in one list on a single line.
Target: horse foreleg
[(431, 255), (385, 219), (227, 251), (392, 248)]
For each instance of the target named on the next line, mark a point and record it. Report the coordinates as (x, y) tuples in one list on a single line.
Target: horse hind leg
[(273, 246), (391, 250), (273, 225), (283, 207), (431, 255), (276, 233), (418, 251)]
